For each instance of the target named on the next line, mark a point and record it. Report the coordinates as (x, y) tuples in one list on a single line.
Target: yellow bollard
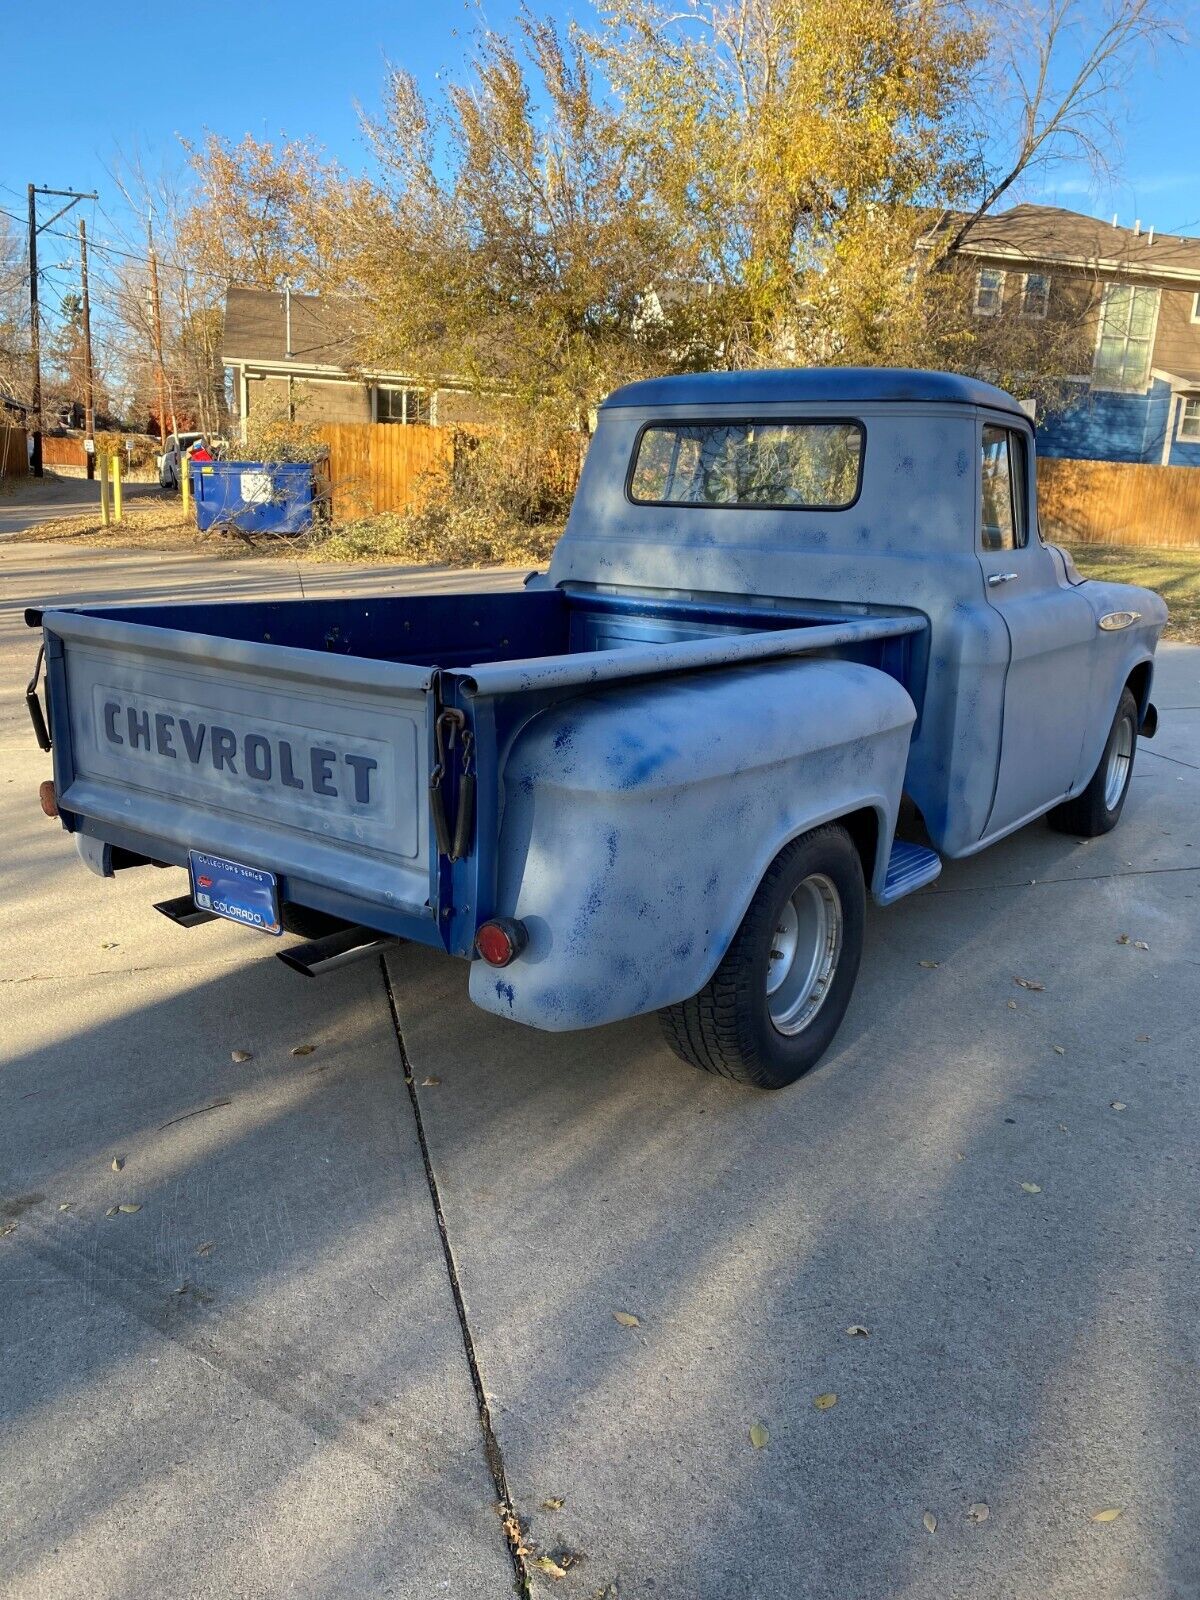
[(185, 483), (115, 463), (104, 517)]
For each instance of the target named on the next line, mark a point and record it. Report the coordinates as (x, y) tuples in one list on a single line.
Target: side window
[(1004, 498)]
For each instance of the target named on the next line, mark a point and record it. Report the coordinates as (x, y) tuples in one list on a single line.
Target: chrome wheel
[(804, 953), (1120, 759)]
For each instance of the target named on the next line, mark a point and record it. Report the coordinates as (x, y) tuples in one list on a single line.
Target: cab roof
[(809, 386)]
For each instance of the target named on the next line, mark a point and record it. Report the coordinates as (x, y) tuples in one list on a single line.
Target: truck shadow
[(1016, 1338)]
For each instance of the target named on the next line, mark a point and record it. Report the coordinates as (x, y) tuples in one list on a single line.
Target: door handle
[(995, 578)]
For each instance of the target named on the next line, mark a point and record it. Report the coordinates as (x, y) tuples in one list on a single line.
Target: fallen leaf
[(929, 964), (758, 1435), (1032, 1188), (430, 1083), (112, 1211), (856, 1331), (824, 1401), (1123, 938), (1030, 983), (1109, 1514), (1012, 1005), (118, 1163), (551, 1567), (627, 1319), (1141, 1038), (66, 1205), (302, 1049), (554, 1504), (1140, 944), (1059, 1051), (958, 1156), (1118, 1105), (930, 1522), (129, 1207), (109, 944), (241, 1055), (205, 1249), (9, 1227), (978, 1512), (183, 1288)]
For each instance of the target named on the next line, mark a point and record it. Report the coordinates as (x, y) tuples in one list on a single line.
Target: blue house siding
[(1105, 426)]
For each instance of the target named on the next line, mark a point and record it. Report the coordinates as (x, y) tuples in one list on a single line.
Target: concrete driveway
[(366, 1306)]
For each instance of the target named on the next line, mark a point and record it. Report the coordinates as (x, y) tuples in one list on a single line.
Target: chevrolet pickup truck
[(801, 640)]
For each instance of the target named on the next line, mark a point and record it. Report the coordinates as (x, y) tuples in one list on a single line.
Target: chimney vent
[(1137, 228), (1114, 222), (1150, 237)]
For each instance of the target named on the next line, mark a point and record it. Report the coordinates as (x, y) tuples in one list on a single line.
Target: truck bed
[(309, 736)]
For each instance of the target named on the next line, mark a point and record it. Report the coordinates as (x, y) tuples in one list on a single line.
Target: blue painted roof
[(811, 385)]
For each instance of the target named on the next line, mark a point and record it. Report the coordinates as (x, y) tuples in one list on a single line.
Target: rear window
[(807, 465)]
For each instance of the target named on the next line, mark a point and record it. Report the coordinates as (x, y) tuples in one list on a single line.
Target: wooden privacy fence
[(1119, 502), (375, 466), (58, 452), (14, 452)]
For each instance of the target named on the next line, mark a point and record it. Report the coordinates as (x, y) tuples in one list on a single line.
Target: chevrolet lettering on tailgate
[(262, 757)]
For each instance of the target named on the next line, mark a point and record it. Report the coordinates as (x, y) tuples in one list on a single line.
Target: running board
[(910, 867)]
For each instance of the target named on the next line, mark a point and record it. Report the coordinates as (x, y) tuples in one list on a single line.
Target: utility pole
[(89, 412), (35, 338), (35, 328), (156, 323)]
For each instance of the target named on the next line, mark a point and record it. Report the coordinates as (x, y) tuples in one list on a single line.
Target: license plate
[(228, 889)]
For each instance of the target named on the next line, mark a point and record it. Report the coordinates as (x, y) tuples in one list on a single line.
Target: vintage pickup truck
[(801, 636)]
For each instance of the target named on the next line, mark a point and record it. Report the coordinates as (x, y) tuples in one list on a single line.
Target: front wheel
[(1098, 808), (771, 1009)]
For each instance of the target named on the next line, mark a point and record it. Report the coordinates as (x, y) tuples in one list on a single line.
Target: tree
[(789, 142), (512, 242), (14, 314), (1049, 88)]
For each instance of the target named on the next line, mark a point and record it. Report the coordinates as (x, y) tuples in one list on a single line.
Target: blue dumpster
[(258, 496)]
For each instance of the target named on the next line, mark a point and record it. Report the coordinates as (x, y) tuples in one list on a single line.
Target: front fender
[(639, 821), (1117, 655)]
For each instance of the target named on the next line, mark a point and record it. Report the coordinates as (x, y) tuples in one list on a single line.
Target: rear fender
[(639, 821)]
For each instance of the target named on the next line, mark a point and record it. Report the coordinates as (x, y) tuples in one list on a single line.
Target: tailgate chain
[(452, 843), (34, 705)]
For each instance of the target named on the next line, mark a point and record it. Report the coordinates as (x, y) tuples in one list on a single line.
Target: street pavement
[(263, 1382), (27, 500)]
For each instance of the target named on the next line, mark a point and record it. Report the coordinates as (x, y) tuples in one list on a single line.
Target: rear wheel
[(771, 1009), (1098, 808)]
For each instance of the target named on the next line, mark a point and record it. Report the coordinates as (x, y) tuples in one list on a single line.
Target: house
[(1140, 294), (299, 350)]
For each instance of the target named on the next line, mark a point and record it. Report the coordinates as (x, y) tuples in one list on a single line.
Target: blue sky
[(79, 85)]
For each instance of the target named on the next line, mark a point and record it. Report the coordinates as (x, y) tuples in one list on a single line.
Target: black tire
[(728, 1028), (1095, 810)]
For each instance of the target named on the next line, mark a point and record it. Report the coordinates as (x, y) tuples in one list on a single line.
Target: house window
[(1127, 318), (989, 291), (1035, 295), (1189, 418), (402, 405)]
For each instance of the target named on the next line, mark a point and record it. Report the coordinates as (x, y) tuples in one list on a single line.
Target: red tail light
[(501, 941), (48, 798)]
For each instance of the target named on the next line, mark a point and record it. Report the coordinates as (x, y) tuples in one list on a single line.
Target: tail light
[(48, 798), (501, 941)]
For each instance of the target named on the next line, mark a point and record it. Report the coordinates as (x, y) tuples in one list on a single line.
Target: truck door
[(1051, 630)]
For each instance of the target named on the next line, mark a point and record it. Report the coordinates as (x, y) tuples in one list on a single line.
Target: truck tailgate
[(311, 765)]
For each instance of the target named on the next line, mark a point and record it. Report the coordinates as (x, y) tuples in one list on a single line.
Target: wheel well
[(1139, 682), (863, 828)]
